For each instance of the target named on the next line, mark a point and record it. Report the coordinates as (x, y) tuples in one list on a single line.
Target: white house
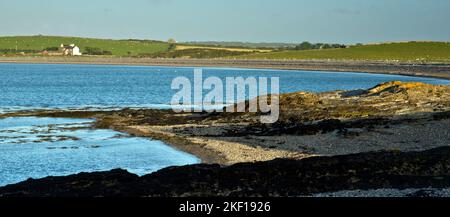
[(70, 50)]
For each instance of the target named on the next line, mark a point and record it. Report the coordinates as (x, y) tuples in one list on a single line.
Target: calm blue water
[(40, 147), (27, 86)]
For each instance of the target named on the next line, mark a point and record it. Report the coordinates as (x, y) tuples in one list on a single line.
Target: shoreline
[(206, 156), (208, 150), (327, 143), (389, 116), (348, 175), (109, 120), (431, 70)]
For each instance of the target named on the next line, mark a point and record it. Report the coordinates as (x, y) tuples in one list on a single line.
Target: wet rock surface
[(280, 177)]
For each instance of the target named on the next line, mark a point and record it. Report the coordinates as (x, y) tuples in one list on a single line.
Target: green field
[(402, 51), (407, 51), (33, 44)]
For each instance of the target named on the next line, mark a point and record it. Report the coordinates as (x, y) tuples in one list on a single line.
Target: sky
[(331, 21)]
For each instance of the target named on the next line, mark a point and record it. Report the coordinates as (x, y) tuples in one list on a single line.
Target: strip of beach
[(419, 69)]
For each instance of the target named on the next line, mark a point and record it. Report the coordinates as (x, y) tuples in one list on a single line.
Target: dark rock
[(296, 128), (441, 115), (281, 177)]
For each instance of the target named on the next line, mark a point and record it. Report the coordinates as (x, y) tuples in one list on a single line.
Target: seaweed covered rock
[(281, 177)]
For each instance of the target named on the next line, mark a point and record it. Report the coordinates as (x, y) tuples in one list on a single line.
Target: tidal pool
[(32, 147)]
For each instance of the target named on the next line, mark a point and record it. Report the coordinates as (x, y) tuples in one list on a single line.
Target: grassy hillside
[(198, 53), (30, 44), (233, 49), (407, 51), (250, 45)]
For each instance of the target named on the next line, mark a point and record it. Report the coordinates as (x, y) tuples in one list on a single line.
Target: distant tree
[(304, 46), (326, 46), (335, 46), (318, 46), (171, 47), (171, 41), (311, 46)]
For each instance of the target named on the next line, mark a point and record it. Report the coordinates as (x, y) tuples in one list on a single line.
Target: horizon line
[(219, 41)]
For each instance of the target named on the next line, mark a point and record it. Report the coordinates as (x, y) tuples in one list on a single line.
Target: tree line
[(315, 46)]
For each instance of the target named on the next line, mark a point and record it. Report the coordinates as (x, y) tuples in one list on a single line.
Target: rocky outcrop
[(281, 177), (387, 99), (384, 100)]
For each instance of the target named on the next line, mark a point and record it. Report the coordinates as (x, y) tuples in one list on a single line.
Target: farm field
[(36, 44), (187, 47), (401, 51)]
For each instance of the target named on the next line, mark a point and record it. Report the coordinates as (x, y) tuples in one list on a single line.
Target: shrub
[(52, 49), (195, 53), (96, 51)]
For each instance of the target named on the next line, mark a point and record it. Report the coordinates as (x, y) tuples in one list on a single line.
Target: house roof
[(71, 46)]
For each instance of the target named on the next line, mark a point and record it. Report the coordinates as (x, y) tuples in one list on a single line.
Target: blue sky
[(341, 21)]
